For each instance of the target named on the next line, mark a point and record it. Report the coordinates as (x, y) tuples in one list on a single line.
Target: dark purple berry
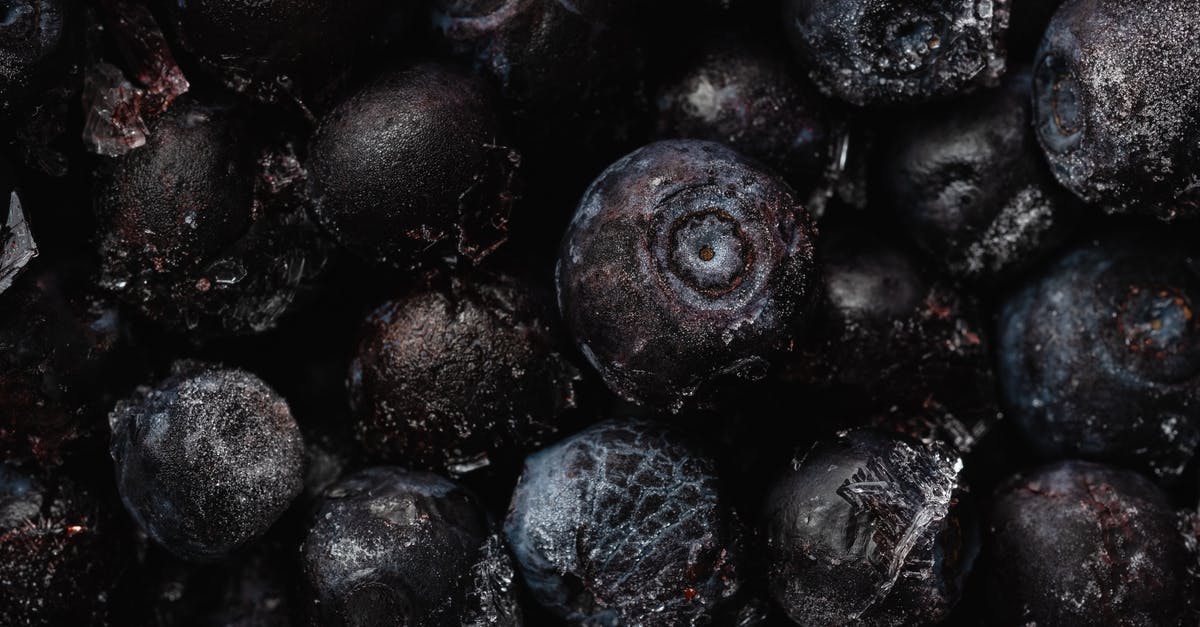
[(882, 52), (1077, 543), (969, 183), (412, 166), (34, 35), (623, 524), (1100, 354), (869, 529), (392, 547), (1117, 103), (685, 264), (206, 460), (450, 375)]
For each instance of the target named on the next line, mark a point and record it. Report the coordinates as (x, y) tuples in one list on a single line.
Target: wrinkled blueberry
[(60, 551), (882, 52), (622, 524), (869, 529), (970, 185), (685, 264), (411, 166), (393, 547), (449, 375), (1117, 103), (1100, 355), (1077, 543), (184, 237), (206, 460)]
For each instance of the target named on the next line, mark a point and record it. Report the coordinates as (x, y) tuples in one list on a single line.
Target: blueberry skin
[(870, 528), (972, 188), (685, 264), (1099, 355), (206, 460), (388, 546), (1077, 543), (1126, 145), (411, 167), (456, 373), (875, 52), (622, 524)]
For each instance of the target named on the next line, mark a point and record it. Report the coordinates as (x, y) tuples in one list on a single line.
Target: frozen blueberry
[(622, 524), (882, 52), (206, 460), (1117, 103), (185, 237), (1100, 354), (412, 166), (970, 184), (740, 95), (393, 547), (1077, 543), (451, 374), (869, 529), (894, 343), (60, 551), (685, 264), (34, 35)]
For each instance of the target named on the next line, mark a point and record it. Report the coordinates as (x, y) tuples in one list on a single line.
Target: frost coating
[(206, 460), (622, 524), (868, 528)]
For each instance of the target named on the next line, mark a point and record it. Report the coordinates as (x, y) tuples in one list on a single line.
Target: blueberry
[(881, 52), (184, 237), (685, 264), (1076, 543), (60, 551), (411, 166), (1100, 354), (869, 528), (623, 524), (740, 95), (1117, 103), (393, 547), (206, 460), (452, 374), (34, 37), (970, 185), (893, 342)]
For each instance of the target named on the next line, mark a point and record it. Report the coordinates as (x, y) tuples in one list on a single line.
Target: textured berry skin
[(450, 375), (206, 460), (1117, 102), (183, 237), (971, 186), (60, 551), (622, 524), (869, 529), (1099, 355), (685, 264), (389, 546), (1076, 543), (870, 52), (411, 166)]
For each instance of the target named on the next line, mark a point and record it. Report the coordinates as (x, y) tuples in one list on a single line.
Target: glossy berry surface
[(450, 375), (623, 523), (870, 52), (869, 528), (972, 188), (1077, 543), (412, 166), (206, 460), (1122, 143), (685, 264), (1099, 355), (389, 546)]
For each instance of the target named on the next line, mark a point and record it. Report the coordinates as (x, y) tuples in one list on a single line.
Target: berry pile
[(599, 313)]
